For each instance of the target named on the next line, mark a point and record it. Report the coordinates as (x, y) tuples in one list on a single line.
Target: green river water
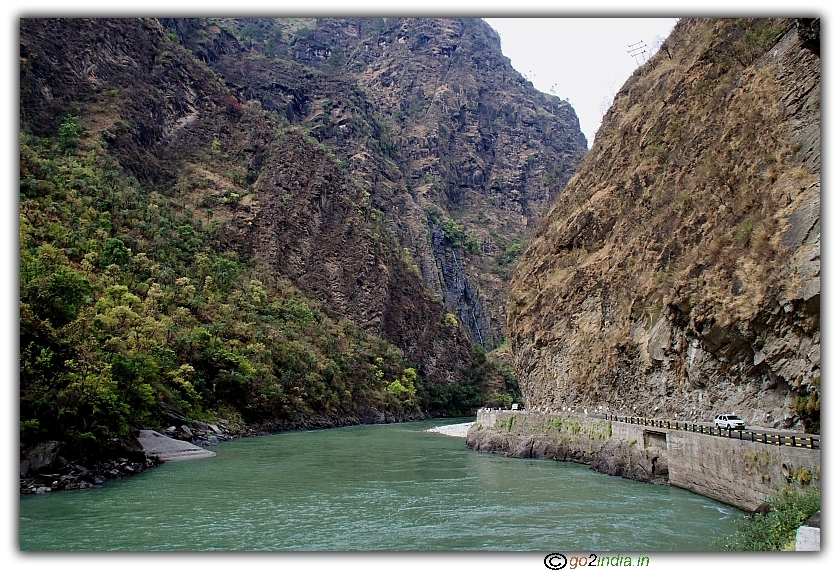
[(392, 487)]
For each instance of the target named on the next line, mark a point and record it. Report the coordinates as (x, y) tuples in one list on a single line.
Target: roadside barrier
[(808, 442)]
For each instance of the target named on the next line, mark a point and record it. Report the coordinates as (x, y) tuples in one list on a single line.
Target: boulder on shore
[(168, 449), (39, 457)]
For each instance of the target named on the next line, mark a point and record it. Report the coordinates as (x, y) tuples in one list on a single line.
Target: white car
[(729, 421)]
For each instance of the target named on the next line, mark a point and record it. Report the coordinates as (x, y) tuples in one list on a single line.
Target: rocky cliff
[(679, 271), (458, 153)]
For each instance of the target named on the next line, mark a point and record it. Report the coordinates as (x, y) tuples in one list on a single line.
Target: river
[(391, 487)]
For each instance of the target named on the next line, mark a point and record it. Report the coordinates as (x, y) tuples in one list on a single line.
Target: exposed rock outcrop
[(43, 470), (167, 449), (432, 120), (679, 271)]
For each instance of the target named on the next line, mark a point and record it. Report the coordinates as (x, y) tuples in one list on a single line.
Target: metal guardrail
[(808, 442)]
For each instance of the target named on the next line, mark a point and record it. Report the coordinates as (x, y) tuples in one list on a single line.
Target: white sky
[(584, 60)]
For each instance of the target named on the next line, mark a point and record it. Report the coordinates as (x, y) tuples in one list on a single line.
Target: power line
[(636, 50)]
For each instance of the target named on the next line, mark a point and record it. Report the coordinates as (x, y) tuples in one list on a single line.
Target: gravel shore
[(454, 430)]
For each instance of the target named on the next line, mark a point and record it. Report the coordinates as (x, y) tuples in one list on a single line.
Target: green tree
[(68, 133)]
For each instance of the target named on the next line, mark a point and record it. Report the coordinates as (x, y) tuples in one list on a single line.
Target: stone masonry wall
[(739, 473)]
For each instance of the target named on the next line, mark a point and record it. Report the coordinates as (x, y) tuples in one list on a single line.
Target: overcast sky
[(584, 60)]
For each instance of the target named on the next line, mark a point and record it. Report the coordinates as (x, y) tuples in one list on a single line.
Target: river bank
[(43, 469)]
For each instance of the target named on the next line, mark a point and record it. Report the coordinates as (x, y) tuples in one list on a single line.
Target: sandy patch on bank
[(454, 430)]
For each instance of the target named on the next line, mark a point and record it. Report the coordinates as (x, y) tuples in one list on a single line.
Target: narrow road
[(769, 436)]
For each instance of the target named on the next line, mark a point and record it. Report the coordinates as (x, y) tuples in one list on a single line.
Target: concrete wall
[(739, 473)]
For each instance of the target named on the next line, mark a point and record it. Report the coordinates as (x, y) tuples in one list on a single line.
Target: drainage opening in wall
[(656, 445), (657, 439)]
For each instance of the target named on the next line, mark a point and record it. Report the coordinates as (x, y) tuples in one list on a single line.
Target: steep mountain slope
[(679, 271), (458, 152), (181, 248), (209, 230)]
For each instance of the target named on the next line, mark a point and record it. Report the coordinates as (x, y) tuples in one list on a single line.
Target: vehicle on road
[(729, 421)]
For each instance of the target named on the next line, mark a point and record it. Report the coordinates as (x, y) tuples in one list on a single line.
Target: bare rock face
[(458, 153), (39, 457), (679, 272)]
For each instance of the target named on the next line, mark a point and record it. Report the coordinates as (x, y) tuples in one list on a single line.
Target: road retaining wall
[(739, 473)]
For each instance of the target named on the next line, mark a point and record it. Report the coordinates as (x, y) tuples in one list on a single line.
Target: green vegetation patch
[(569, 427), (789, 508), (508, 423), (128, 300), (453, 232)]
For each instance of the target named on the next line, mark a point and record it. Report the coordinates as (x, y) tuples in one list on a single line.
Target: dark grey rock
[(41, 456)]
